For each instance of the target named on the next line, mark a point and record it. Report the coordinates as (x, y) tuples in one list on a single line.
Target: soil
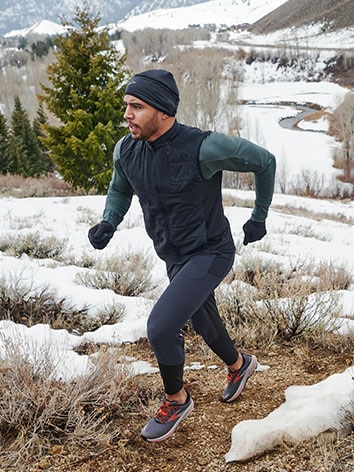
[(202, 440)]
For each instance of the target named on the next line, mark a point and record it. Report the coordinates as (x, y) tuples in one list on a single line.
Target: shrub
[(38, 412), (44, 186), (264, 301), (22, 302), (33, 244), (127, 274)]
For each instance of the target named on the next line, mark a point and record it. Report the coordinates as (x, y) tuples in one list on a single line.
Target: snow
[(309, 36), (43, 27), (229, 13), (308, 410), (219, 12)]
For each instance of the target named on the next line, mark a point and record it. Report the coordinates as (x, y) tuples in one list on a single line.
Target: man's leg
[(207, 322), (190, 286)]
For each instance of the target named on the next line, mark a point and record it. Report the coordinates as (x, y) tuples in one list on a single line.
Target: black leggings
[(189, 296)]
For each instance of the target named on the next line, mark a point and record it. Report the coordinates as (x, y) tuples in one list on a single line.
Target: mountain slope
[(18, 14), (335, 14)]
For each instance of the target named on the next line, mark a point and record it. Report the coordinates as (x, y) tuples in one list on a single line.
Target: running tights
[(189, 296)]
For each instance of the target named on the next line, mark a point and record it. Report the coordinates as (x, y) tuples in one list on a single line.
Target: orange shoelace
[(167, 412), (233, 377)]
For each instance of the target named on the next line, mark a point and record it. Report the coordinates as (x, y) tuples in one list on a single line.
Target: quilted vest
[(183, 212)]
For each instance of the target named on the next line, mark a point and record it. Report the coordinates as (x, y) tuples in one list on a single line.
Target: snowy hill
[(20, 14), (224, 12), (171, 14), (253, 22), (41, 28), (332, 15)]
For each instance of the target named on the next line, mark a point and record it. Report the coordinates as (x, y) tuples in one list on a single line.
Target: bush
[(33, 244), (39, 413), (264, 301), (21, 302), (127, 274), (44, 186)]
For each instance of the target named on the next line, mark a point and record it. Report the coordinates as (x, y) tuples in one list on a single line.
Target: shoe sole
[(249, 371), (169, 433)]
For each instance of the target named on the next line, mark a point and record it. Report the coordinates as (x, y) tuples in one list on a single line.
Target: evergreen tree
[(17, 146), (88, 80), (4, 145), (29, 153), (39, 124), (16, 163)]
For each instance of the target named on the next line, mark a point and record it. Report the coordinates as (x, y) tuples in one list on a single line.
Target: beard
[(144, 132)]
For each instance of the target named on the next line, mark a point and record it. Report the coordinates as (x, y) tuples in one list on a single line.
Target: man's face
[(144, 121)]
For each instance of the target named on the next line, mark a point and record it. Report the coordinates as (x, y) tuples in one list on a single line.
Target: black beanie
[(156, 87)]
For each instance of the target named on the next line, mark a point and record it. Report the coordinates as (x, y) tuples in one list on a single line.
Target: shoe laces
[(233, 376), (166, 411)]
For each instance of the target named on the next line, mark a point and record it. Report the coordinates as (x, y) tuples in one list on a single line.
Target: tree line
[(87, 83), (21, 151)]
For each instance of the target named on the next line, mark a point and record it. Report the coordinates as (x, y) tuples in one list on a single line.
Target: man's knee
[(156, 332)]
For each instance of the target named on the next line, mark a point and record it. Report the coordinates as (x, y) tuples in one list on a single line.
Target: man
[(176, 172)]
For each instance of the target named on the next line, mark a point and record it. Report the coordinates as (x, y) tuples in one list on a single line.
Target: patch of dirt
[(202, 440)]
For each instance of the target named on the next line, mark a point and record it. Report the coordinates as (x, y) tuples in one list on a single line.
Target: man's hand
[(100, 235), (254, 231)]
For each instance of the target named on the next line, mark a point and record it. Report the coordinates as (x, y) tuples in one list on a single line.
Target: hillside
[(19, 14), (336, 15)]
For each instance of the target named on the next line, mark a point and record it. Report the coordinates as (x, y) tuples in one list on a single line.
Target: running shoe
[(165, 423), (236, 381)]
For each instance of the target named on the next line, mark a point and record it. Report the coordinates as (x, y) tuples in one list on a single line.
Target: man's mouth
[(133, 128)]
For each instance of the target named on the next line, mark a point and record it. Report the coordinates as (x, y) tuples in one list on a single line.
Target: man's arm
[(120, 193), (119, 197), (220, 152)]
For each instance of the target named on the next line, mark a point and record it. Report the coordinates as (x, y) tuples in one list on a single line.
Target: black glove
[(254, 231), (100, 235)]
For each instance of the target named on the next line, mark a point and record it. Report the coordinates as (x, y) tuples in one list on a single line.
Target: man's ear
[(165, 117)]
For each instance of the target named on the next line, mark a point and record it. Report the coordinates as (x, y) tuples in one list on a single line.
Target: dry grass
[(93, 422), (45, 186), (317, 216), (201, 441)]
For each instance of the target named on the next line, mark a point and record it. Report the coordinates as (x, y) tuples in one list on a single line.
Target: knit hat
[(156, 87)]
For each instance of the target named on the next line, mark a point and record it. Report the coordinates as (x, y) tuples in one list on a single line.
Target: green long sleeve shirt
[(218, 152)]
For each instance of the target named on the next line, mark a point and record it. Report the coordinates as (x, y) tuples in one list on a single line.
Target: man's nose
[(127, 113)]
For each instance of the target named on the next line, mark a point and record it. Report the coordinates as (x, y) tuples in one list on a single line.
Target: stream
[(291, 122)]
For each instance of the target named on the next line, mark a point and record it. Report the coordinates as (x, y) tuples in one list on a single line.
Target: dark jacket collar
[(166, 137)]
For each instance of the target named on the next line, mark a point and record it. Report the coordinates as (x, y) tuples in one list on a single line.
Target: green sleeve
[(120, 193), (219, 152)]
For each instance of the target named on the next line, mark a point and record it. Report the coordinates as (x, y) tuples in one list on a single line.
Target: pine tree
[(88, 80), (29, 154), (16, 164), (39, 123), (4, 145), (19, 121)]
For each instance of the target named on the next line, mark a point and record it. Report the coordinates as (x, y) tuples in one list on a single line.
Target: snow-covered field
[(289, 237)]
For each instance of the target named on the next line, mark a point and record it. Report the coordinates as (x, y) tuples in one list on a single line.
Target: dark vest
[(183, 212)]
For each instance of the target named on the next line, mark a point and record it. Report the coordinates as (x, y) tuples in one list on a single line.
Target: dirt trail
[(202, 440)]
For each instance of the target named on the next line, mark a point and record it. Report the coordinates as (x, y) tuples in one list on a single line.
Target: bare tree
[(342, 126), (208, 95)]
